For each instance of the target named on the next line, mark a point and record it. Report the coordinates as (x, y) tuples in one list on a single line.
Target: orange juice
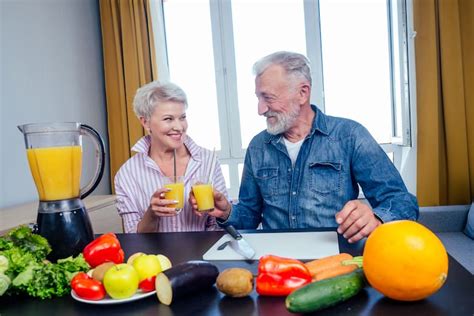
[(204, 197), (56, 171), (176, 193)]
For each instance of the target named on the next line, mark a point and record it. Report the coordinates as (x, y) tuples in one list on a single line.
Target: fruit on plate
[(164, 262), (99, 271), (86, 287), (146, 266), (79, 276), (405, 261), (133, 257), (148, 284), (121, 281)]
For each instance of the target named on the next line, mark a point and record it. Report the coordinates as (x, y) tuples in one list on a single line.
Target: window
[(356, 63), (358, 50), (275, 32)]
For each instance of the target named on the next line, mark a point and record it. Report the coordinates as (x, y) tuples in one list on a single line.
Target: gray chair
[(448, 223)]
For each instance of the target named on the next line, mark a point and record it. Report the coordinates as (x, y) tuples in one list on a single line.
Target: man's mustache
[(270, 113)]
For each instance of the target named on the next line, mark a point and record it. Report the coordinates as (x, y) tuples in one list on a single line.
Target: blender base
[(68, 232)]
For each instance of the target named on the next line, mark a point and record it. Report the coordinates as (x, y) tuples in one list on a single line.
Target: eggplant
[(185, 278)]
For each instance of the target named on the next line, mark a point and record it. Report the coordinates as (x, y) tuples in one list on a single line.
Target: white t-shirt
[(293, 149)]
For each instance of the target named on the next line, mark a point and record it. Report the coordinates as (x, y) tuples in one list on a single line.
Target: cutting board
[(297, 245)]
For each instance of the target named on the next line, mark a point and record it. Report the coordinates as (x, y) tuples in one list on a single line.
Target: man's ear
[(304, 92)]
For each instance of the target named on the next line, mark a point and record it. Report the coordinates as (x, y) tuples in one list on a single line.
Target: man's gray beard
[(283, 122)]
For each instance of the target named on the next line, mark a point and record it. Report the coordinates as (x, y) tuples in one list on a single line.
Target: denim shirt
[(336, 156)]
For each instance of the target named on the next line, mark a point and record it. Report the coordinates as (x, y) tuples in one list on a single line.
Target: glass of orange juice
[(176, 192), (204, 194)]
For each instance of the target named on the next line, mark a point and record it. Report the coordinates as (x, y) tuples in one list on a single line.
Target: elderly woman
[(139, 184)]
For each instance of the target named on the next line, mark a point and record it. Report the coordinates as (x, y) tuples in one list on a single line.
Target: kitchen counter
[(101, 210), (454, 298)]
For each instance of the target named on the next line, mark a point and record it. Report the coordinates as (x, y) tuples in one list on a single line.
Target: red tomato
[(79, 276), (148, 284), (89, 289)]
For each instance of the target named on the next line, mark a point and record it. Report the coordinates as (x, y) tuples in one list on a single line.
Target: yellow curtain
[(129, 62), (444, 48)]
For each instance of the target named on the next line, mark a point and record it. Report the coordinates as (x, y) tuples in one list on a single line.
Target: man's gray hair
[(294, 64), (149, 96)]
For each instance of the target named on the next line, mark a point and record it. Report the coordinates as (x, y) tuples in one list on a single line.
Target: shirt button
[(289, 169), (293, 218), (294, 192)]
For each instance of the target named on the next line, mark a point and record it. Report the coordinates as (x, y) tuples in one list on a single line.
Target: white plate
[(108, 300)]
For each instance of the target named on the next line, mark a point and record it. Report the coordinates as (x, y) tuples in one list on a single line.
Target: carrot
[(359, 260), (318, 265), (332, 272)]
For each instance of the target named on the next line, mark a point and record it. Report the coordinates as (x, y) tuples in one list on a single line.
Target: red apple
[(148, 284)]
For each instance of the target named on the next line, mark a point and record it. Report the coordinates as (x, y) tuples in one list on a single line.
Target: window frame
[(232, 153), (403, 18)]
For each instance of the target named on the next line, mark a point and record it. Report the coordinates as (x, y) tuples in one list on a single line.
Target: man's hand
[(222, 207), (356, 220)]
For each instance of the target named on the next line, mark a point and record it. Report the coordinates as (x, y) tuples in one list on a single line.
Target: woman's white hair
[(149, 96), (296, 65)]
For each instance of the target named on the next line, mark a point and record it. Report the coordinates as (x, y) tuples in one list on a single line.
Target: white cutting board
[(297, 245)]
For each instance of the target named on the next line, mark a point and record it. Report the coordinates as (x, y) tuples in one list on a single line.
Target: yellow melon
[(405, 261)]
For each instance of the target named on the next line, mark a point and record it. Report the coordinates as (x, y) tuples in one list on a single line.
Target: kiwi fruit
[(99, 271)]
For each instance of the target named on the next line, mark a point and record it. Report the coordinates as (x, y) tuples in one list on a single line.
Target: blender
[(54, 152)]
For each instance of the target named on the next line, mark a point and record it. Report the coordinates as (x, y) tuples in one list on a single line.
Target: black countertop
[(456, 297)]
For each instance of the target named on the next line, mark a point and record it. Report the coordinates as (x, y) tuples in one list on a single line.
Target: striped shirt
[(139, 177)]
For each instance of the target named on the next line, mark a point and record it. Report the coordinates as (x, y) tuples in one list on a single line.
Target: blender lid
[(49, 127)]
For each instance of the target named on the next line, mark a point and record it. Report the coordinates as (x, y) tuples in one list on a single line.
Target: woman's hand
[(222, 207), (159, 205), (158, 208)]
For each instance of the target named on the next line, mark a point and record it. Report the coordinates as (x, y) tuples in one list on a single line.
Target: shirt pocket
[(267, 179), (326, 176)]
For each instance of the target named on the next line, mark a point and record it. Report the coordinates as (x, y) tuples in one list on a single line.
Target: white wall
[(51, 70)]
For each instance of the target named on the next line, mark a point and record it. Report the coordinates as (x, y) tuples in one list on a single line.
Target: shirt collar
[(143, 146), (319, 124)]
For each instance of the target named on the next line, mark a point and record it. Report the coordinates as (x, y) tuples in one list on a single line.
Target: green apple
[(164, 262), (121, 281), (134, 256), (146, 266)]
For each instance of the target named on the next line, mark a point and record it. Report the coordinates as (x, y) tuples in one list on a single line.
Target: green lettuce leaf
[(29, 272), (3, 264), (4, 283)]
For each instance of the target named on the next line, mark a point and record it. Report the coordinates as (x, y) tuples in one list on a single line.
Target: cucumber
[(325, 293)]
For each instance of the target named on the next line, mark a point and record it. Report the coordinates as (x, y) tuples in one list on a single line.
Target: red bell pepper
[(102, 249), (278, 276)]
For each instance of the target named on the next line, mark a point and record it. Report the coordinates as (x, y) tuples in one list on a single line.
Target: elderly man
[(304, 170)]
